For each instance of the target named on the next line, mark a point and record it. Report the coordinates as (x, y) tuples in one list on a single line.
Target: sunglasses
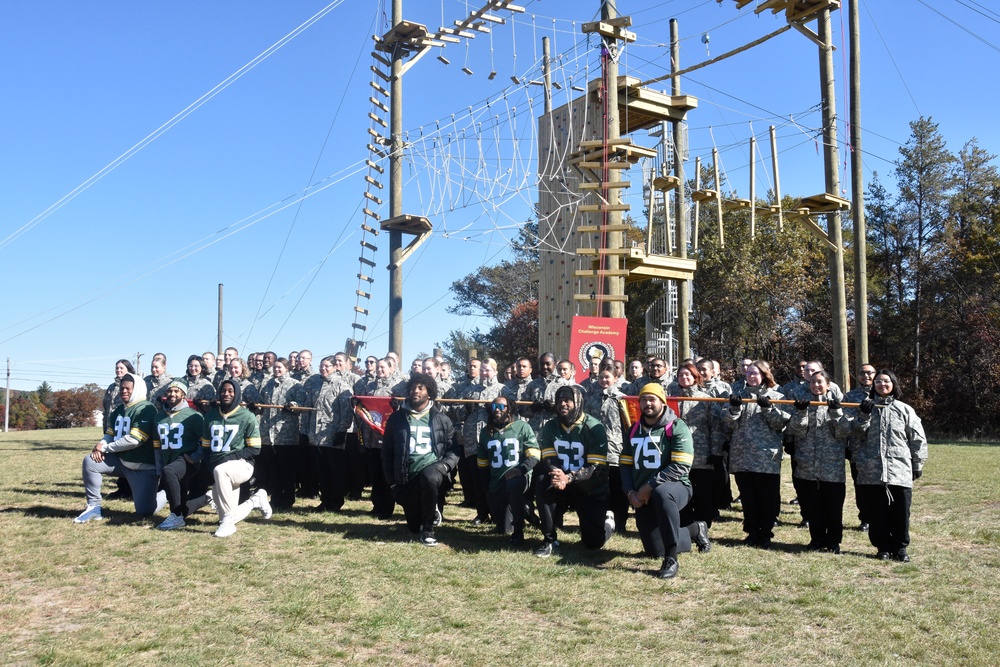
[(498, 406)]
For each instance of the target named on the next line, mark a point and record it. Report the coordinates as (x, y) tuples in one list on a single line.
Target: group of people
[(257, 435)]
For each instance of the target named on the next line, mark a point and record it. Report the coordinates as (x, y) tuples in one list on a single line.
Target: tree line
[(45, 408)]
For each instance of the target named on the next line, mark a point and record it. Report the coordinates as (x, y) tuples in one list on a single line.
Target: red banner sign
[(596, 338)]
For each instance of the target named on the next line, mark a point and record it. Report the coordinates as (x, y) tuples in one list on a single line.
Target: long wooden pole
[(858, 195), (614, 285), (680, 212), (396, 191), (838, 300)]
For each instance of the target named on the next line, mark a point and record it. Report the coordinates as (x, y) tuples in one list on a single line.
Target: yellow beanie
[(655, 389)]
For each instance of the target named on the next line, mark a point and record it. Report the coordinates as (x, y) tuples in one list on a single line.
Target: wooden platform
[(642, 108), (823, 203), (621, 150), (796, 11), (408, 224), (644, 267), (704, 195), (665, 183)]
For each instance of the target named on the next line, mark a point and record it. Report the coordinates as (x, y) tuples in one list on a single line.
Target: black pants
[(283, 475), (357, 478), (659, 521), (383, 503), (823, 507), (797, 485), (887, 509), (468, 475), (332, 477), (420, 497), (703, 496), (264, 468), (761, 496), (507, 504), (617, 500), (176, 478), (590, 510), (723, 488), (306, 471)]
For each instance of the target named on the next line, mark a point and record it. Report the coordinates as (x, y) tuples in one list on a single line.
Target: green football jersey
[(503, 449), (225, 433), (138, 420), (178, 433), (420, 450)]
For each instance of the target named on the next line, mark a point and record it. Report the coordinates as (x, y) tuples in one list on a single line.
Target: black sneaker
[(427, 537), (547, 549), (517, 538), (901, 556), (883, 555), (863, 528), (669, 568)]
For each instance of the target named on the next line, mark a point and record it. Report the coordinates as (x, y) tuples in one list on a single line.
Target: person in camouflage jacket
[(890, 449)]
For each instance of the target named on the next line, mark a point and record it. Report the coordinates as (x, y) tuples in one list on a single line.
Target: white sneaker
[(261, 503), (226, 528), (437, 517), (92, 513), (609, 525), (172, 522)]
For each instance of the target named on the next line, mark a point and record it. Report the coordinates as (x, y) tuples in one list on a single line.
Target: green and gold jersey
[(664, 448), (585, 443), (178, 433), (502, 449), (225, 433), (420, 449), (138, 420)]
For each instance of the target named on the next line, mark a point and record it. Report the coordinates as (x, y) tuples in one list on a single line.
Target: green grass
[(309, 589)]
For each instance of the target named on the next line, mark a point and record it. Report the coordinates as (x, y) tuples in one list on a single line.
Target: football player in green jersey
[(230, 441), (126, 450), (177, 450), (507, 453), (418, 455), (655, 460), (574, 471)]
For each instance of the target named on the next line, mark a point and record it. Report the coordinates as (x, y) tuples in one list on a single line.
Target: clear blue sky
[(130, 261)]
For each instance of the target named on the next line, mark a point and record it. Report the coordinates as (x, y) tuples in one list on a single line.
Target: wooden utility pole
[(396, 190), (835, 255), (614, 285), (6, 412), (680, 214), (219, 343), (858, 195)]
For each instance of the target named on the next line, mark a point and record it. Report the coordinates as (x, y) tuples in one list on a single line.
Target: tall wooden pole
[(680, 214), (6, 412), (547, 75), (219, 344), (396, 190), (838, 300), (614, 285), (858, 195)]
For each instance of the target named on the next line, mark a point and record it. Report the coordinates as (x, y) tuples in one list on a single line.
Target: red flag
[(630, 409), (373, 411)]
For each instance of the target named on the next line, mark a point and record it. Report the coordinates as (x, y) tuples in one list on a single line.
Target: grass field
[(319, 589)]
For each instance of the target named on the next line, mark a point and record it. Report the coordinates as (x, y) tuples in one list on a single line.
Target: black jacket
[(395, 443)]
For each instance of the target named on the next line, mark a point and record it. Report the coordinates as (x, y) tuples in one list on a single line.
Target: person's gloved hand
[(764, 401), (867, 406), (735, 402), (801, 403), (917, 474), (833, 403)]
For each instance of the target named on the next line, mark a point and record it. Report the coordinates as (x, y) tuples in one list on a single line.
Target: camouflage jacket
[(889, 445), (702, 420), (756, 441), (543, 389), (156, 387), (308, 395), (820, 442), (475, 415), (602, 405), (517, 390), (334, 413), (200, 389), (281, 428)]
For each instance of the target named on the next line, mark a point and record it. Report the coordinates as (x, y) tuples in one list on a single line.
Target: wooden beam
[(605, 184)]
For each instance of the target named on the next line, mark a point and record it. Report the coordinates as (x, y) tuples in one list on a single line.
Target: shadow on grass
[(959, 443), (49, 492), (41, 512)]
